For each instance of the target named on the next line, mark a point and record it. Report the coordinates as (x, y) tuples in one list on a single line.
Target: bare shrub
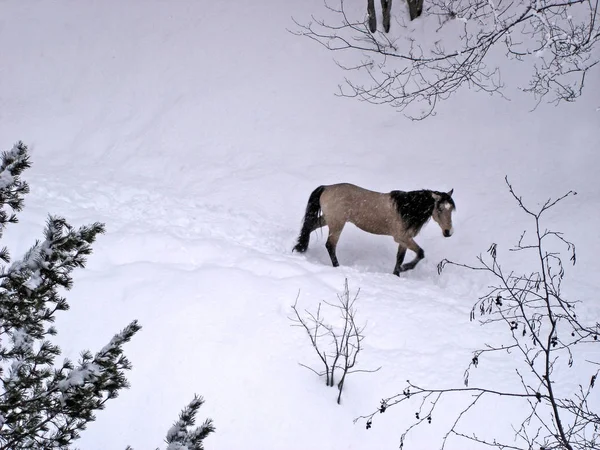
[(543, 336), (337, 347)]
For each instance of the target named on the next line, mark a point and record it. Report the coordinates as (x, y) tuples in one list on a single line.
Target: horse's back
[(349, 190), (370, 211), (345, 197)]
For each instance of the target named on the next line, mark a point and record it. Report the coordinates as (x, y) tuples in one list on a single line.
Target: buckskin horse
[(398, 214)]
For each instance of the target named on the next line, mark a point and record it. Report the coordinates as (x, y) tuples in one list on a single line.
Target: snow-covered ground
[(196, 132)]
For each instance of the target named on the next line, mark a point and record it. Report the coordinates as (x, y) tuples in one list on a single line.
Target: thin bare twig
[(340, 354), (413, 72), (543, 330)]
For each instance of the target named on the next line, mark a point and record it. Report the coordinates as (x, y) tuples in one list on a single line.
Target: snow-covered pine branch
[(41, 405), (182, 435), (12, 188), (29, 287)]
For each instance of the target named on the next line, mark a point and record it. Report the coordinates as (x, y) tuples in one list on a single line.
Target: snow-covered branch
[(409, 68)]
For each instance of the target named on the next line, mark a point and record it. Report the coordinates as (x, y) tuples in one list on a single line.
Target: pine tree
[(44, 406), (182, 435)]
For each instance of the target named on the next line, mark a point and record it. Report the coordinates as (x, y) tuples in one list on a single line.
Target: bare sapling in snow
[(44, 405), (544, 336), (337, 346), (558, 40)]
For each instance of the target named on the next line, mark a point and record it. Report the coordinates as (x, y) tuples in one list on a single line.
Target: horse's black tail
[(311, 218)]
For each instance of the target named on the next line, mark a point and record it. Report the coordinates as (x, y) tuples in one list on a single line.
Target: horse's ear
[(450, 192)]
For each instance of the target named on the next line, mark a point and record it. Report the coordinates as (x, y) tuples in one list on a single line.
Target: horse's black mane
[(415, 207)]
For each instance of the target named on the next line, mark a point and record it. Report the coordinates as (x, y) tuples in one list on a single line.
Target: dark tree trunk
[(415, 8), (386, 6), (372, 16)]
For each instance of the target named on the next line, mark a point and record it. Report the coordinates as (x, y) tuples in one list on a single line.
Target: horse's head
[(442, 211)]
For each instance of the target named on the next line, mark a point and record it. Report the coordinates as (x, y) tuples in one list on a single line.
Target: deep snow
[(196, 131)]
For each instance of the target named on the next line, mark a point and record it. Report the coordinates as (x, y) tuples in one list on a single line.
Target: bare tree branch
[(543, 330), (557, 38)]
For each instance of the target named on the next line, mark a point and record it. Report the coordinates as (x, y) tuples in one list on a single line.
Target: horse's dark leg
[(331, 244), (420, 254), (372, 16), (386, 6), (331, 250), (399, 259)]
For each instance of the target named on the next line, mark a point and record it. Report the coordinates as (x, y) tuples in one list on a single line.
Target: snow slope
[(196, 131)]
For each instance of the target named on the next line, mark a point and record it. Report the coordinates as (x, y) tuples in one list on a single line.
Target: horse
[(398, 214)]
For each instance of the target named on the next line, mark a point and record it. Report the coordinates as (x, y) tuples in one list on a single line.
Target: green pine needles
[(44, 406)]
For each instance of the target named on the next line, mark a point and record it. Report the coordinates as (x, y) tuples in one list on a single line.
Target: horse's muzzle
[(447, 233)]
